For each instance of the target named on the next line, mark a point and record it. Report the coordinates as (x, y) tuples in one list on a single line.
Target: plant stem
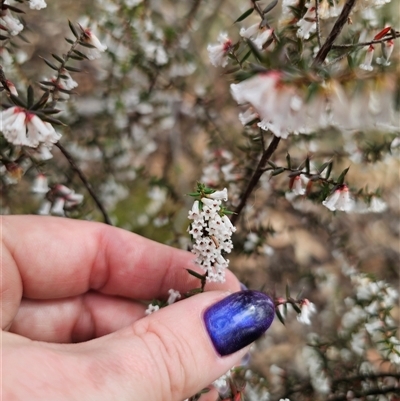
[(337, 28), (267, 153), (85, 182)]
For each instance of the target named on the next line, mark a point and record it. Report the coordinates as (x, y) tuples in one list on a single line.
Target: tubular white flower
[(220, 195), (93, 40), (366, 65), (40, 185), (339, 200), (307, 309), (218, 53), (173, 296), (307, 24), (13, 25)]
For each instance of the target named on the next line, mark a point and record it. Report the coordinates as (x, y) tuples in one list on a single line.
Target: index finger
[(59, 257)]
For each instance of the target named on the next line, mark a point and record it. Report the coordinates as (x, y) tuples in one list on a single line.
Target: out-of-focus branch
[(337, 28), (260, 169), (85, 182)]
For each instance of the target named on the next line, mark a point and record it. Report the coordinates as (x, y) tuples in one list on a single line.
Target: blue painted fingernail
[(238, 320), (243, 286)]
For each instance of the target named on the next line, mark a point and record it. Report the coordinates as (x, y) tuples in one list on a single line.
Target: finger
[(49, 257), (184, 342), (75, 319), (167, 356)]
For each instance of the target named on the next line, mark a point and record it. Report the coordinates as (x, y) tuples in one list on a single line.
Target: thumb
[(177, 351)]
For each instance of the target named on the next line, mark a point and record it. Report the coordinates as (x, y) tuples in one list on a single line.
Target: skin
[(73, 324)]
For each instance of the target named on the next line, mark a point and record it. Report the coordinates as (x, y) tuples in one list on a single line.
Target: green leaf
[(323, 167), (245, 15), (279, 316), (287, 291), (195, 274), (78, 58), (58, 58), (19, 102), (272, 164), (50, 64), (288, 161), (73, 29), (245, 57), (307, 165), (70, 41), (42, 101), (296, 308), (342, 176), (73, 69), (30, 96), (278, 171), (270, 6), (329, 170)]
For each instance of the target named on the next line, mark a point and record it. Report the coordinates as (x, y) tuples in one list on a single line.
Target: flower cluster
[(284, 109), (22, 127), (58, 199), (211, 231)]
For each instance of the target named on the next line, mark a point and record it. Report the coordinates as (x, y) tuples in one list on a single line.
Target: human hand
[(74, 326)]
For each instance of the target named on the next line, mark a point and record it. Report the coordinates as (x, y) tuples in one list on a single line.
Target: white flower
[(218, 53), (151, 309), (339, 200), (307, 309), (366, 65), (173, 296), (297, 186), (93, 40), (377, 205), (58, 207), (258, 35), (212, 235), (37, 4), (14, 27), (387, 50), (307, 25), (21, 127), (39, 185), (220, 195)]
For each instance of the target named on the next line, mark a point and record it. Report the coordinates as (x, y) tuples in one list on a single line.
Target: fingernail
[(243, 287), (238, 320)]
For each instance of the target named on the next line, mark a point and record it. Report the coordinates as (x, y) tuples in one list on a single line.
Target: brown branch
[(371, 42), (337, 28), (85, 182), (267, 153)]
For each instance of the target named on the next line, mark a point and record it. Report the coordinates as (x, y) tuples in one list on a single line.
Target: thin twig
[(256, 176), (337, 28), (85, 182), (317, 22), (371, 42)]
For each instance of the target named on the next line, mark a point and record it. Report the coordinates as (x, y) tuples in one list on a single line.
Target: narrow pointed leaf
[(287, 291), (245, 15), (19, 102), (73, 69), (279, 316), (195, 274), (342, 176), (58, 58), (73, 29), (30, 96), (329, 170), (307, 165), (50, 64), (270, 6), (70, 41), (296, 308), (278, 171), (288, 161)]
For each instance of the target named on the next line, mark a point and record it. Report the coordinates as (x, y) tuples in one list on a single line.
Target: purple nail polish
[(238, 320)]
